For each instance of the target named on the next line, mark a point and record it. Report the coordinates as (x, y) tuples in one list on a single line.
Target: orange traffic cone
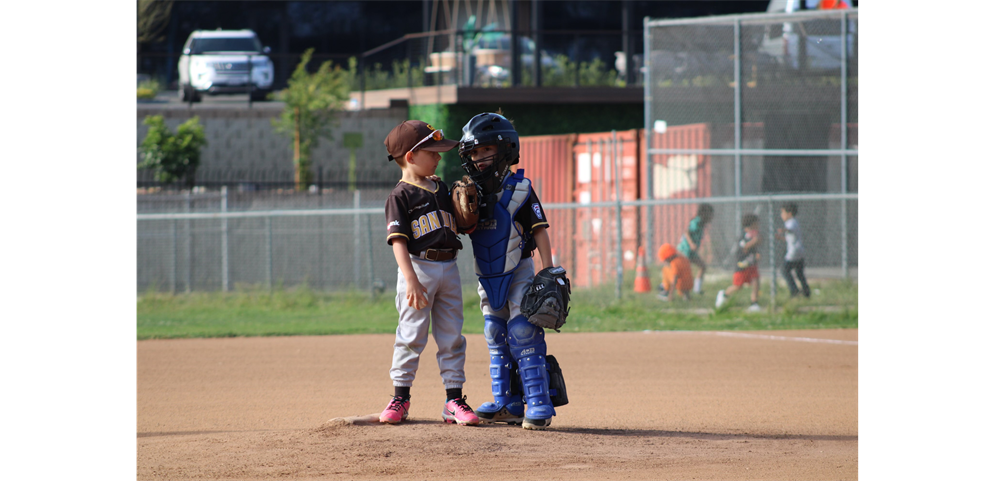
[(642, 280), (556, 261)]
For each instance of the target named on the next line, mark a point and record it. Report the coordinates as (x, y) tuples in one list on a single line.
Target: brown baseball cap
[(415, 133)]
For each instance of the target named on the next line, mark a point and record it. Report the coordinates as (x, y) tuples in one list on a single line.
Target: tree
[(311, 103), (151, 19), (172, 157)]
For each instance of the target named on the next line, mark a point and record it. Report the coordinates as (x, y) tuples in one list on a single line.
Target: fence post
[(224, 239), (356, 241), (269, 253), (604, 241), (843, 222), (647, 102), (369, 252), (844, 30), (618, 217), (738, 120), (773, 260), (590, 224), (172, 277), (320, 276), (189, 244)]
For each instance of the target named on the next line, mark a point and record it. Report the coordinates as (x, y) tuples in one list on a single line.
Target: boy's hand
[(417, 295)]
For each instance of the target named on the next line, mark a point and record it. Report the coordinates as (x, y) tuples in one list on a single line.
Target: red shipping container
[(578, 168), (548, 163), (679, 176)]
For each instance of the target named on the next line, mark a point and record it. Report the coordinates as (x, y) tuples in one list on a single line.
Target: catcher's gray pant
[(444, 312), (521, 281)]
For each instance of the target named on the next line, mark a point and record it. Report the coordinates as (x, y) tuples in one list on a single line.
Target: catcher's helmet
[(483, 130)]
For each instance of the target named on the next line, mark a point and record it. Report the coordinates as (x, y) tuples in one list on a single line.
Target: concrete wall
[(242, 138)]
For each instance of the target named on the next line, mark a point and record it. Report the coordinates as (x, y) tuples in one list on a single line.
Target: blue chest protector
[(498, 242)]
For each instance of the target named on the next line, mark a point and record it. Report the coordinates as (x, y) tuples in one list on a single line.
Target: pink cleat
[(457, 411), (396, 411)]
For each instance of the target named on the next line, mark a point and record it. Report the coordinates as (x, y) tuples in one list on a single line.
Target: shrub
[(148, 89), (172, 156)]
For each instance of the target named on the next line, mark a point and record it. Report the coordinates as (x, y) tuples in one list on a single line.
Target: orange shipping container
[(596, 236)]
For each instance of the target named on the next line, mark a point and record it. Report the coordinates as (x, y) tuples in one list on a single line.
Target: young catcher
[(422, 232), (516, 302)]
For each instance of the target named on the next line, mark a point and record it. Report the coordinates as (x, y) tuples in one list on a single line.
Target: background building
[(340, 29)]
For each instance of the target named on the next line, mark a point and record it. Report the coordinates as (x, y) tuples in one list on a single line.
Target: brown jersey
[(422, 217)]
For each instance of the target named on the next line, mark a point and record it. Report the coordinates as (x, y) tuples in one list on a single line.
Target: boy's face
[(785, 215), (484, 152), (424, 163)]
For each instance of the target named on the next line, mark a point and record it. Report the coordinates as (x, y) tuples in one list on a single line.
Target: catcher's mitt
[(546, 303), (466, 205)]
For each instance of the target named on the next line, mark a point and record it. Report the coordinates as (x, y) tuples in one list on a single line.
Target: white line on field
[(775, 338), (784, 338)]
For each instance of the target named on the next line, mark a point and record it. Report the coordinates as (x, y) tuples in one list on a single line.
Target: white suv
[(222, 62)]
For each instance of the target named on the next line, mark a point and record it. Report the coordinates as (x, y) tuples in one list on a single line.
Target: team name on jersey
[(431, 222)]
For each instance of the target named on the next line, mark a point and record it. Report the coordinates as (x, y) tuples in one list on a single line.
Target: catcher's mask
[(494, 130)]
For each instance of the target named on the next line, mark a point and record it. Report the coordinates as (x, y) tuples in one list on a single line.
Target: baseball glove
[(466, 205), (546, 303)]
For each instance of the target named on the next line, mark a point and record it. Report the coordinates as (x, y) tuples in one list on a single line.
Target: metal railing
[(247, 180)]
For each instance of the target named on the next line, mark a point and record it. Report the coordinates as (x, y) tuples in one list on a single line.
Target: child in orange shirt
[(677, 277)]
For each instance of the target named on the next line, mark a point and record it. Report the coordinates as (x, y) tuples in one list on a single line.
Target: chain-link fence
[(772, 99), (216, 240), (200, 243)]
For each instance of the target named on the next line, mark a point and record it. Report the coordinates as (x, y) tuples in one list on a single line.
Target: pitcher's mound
[(366, 418)]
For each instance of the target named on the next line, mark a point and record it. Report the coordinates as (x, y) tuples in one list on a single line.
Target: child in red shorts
[(746, 264)]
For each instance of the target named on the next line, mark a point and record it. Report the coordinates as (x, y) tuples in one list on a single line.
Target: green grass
[(251, 311)]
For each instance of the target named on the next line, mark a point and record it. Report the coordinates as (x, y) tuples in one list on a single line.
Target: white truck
[(218, 62)]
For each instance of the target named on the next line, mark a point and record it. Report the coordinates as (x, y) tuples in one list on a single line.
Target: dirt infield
[(643, 405)]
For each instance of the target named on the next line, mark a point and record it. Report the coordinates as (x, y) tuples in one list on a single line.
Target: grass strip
[(252, 311)]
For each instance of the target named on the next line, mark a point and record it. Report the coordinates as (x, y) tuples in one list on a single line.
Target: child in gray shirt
[(794, 259)]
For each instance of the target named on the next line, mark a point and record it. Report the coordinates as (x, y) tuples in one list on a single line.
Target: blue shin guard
[(506, 407), (528, 347)]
